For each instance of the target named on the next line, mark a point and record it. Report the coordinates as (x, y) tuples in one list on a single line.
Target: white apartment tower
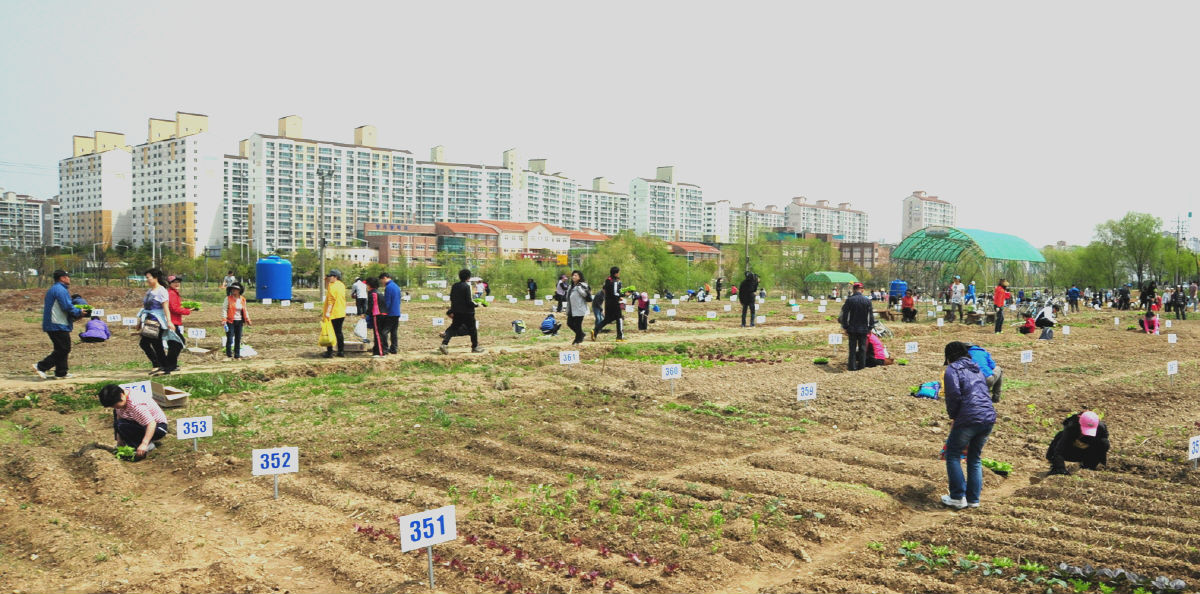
[(236, 213), (367, 183), (664, 208), (819, 217), (922, 210), (95, 190), (748, 219), (602, 209), (467, 193), (716, 221), (177, 190), (20, 221)]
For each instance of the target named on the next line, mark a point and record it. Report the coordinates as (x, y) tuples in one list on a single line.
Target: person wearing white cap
[(1083, 439)]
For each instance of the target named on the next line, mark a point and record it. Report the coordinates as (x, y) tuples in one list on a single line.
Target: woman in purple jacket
[(96, 331), (969, 406)]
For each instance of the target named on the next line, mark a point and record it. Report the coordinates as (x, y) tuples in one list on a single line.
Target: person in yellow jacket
[(335, 310)]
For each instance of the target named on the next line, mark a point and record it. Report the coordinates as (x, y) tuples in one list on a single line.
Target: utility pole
[(746, 238), (323, 174), (153, 248)]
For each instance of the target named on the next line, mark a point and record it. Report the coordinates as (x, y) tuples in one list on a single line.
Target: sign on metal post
[(129, 321), (1026, 359), (670, 313), (439, 321), (806, 392), (113, 317), (712, 315), (311, 305), (568, 357), (820, 309), (672, 372), (799, 317), (266, 301), (1066, 330), (728, 308), (288, 303), (194, 428), (275, 461), (197, 333), (425, 529), (1168, 323), (911, 347), (941, 322), (1172, 338), (1172, 370), (760, 320), (98, 312), (403, 317), (1116, 322), (538, 302)]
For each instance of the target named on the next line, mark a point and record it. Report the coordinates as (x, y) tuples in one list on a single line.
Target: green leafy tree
[(1137, 237)]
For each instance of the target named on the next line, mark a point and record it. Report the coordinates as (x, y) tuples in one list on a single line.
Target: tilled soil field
[(600, 476)]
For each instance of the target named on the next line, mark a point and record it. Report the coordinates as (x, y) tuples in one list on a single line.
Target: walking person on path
[(532, 286), (236, 316), (958, 295), (969, 406), (613, 312), (1179, 299), (720, 283), (359, 291), (747, 293), (229, 280), (462, 307), (560, 291), (392, 299), (577, 305), (58, 317), (154, 315), (373, 314), (1000, 298), (335, 310), (176, 310), (857, 319)]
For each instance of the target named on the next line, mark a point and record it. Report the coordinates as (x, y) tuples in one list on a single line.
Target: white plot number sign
[(427, 528), (275, 461), (568, 357), (806, 392)]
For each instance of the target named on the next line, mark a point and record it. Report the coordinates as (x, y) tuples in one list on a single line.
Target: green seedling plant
[(125, 453)]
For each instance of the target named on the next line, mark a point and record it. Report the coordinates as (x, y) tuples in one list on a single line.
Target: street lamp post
[(95, 262), (323, 174)]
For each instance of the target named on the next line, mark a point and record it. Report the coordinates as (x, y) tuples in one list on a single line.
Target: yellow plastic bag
[(327, 339)]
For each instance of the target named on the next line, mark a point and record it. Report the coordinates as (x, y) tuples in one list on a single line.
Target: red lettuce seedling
[(604, 551), (471, 539), (670, 568), (609, 585), (635, 559), (572, 571), (519, 555), (577, 542), (590, 576)]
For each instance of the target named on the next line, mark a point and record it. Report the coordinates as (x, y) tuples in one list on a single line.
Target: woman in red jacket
[(176, 310)]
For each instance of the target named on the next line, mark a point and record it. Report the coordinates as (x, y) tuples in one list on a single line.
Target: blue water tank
[(897, 289), (273, 279)]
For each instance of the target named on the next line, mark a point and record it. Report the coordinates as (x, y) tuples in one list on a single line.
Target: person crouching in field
[(96, 330), (1083, 439), (138, 422)]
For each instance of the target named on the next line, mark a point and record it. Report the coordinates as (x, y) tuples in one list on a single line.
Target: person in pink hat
[(1083, 439)]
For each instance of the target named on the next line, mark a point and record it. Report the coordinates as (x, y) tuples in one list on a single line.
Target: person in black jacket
[(462, 308), (747, 293), (857, 319), (1083, 439), (613, 311)]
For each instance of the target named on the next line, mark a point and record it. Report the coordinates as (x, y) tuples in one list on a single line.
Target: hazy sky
[(1040, 118)]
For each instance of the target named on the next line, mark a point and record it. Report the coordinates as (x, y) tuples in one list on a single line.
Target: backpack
[(518, 326)]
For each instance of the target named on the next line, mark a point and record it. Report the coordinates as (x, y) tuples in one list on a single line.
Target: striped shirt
[(143, 410)]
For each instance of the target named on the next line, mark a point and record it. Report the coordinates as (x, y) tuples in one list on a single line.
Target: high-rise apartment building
[(664, 208), (21, 221), (841, 222), (95, 189), (176, 191), (921, 210), (236, 213), (465, 193), (716, 221), (602, 209), (52, 225), (747, 219), (366, 183)]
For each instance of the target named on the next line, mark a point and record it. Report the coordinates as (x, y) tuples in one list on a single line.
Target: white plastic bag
[(360, 328)]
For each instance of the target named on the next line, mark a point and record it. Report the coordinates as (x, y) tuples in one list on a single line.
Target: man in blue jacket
[(390, 322), (58, 316)]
